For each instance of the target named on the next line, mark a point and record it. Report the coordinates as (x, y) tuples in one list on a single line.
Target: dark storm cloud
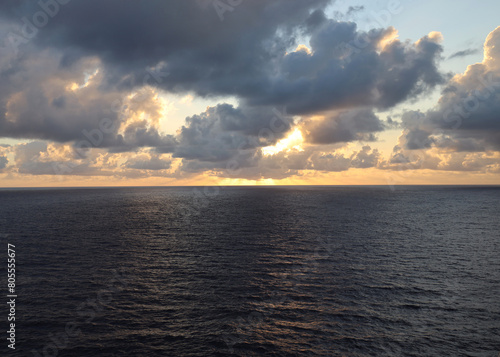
[(244, 55), (464, 53), (327, 78), (129, 42), (131, 33)]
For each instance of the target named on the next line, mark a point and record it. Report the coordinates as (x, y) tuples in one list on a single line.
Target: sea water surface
[(260, 271)]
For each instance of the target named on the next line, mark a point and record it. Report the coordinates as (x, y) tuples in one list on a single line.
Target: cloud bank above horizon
[(295, 92)]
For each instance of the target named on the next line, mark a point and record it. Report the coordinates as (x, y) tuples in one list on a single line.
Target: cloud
[(3, 162), (341, 127), (467, 115), (148, 163), (311, 159), (29, 152), (346, 68), (236, 57), (43, 101), (365, 158), (223, 132), (462, 133), (334, 162), (354, 9), (42, 158), (337, 161), (464, 53), (87, 88)]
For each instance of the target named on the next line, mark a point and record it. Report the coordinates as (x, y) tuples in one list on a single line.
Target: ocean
[(253, 271)]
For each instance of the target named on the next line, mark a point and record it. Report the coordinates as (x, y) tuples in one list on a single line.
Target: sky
[(240, 92)]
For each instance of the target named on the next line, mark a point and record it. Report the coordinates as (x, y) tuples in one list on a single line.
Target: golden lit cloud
[(293, 141), (303, 48), (391, 36)]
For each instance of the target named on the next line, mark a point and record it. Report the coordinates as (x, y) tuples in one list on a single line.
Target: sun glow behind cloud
[(291, 142), (245, 182)]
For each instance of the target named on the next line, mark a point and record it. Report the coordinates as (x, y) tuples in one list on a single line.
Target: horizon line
[(252, 186)]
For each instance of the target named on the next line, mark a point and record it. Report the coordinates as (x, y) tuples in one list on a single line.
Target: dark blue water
[(315, 271)]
